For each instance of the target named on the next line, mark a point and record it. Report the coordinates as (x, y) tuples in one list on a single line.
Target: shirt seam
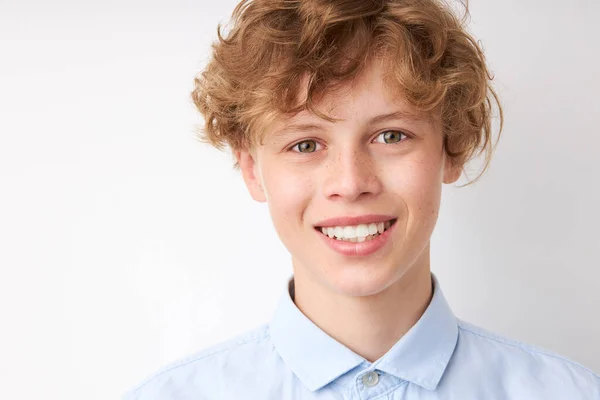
[(525, 347)]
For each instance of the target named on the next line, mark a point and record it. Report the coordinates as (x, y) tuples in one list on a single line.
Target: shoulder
[(186, 374), (513, 362)]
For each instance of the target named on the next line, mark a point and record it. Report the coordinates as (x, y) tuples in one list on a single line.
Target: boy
[(346, 117)]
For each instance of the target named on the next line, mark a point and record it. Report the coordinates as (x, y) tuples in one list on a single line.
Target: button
[(370, 379)]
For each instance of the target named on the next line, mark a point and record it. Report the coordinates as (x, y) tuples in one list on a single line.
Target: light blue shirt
[(440, 357)]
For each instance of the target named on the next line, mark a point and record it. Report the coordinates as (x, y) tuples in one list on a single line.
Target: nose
[(350, 174)]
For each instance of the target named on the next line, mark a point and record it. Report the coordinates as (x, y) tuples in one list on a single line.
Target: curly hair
[(255, 72)]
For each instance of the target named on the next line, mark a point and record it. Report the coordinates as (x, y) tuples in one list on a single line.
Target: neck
[(367, 325)]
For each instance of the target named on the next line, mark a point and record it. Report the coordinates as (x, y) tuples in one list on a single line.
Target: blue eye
[(390, 136)]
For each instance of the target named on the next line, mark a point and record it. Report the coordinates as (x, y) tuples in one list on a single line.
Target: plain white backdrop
[(126, 244)]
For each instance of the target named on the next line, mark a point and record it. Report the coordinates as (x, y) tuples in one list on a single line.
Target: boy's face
[(361, 165)]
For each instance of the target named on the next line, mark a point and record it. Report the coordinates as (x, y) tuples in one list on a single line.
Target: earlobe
[(451, 171), (250, 174)]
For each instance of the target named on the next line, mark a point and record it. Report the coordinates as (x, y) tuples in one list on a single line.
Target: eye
[(390, 136), (305, 146)]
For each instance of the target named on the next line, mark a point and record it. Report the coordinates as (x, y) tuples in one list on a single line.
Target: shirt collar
[(420, 356)]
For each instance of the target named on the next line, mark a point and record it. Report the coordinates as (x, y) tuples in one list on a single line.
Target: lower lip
[(358, 249)]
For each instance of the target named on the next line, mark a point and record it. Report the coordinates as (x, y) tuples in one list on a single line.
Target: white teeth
[(349, 232), (356, 233), (372, 229), (362, 230)]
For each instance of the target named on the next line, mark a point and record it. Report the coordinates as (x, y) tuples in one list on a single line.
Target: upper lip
[(349, 221)]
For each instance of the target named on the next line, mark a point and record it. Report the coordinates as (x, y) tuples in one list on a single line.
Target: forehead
[(371, 96), (371, 89)]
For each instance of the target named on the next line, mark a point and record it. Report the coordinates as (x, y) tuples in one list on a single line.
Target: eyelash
[(379, 134)]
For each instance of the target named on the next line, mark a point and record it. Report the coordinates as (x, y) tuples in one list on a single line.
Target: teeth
[(356, 233), (328, 232), (362, 230), (349, 232), (372, 229)]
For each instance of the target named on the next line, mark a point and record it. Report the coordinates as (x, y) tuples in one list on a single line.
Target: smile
[(360, 240), (356, 233)]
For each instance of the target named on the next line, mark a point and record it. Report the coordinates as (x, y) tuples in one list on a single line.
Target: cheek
[(288, 193), (426, 201), (417, 183)]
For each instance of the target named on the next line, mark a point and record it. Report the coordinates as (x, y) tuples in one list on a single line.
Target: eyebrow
[(395, 115)]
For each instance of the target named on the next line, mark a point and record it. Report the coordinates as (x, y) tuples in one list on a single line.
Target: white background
[(126, 244)]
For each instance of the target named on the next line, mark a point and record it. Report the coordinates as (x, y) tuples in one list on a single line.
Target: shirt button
[(370, 379)]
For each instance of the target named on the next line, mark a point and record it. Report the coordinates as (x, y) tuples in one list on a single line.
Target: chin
[(360, 280)]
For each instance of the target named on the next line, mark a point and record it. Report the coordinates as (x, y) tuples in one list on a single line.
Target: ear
[(452, 171), (252, 178)]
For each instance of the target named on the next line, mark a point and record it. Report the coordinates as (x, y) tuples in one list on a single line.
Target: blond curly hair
[(255, 72)]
